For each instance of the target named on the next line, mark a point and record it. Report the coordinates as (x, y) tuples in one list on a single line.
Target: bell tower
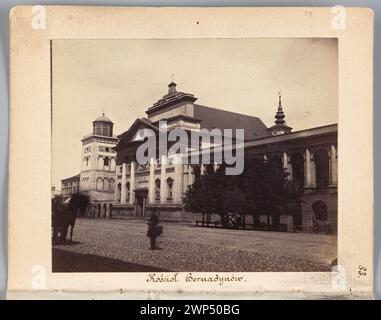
[(99, 157)]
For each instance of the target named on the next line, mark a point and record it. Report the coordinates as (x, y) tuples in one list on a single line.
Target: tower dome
[(102, 126)]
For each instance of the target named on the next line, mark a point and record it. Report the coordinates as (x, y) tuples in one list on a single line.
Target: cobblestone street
[(122, 245)]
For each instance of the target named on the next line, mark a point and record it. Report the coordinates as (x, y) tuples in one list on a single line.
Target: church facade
[(309, 156)]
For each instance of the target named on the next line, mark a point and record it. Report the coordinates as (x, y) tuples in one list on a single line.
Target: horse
[(64, 216), (69, 216), (56, 217)]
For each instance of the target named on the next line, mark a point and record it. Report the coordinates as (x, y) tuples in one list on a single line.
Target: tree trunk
[(203, 219)]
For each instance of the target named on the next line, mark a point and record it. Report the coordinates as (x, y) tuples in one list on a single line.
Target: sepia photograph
[(194, 155), (182, 153)]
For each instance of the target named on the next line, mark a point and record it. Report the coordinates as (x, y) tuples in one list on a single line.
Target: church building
[(309, 156)]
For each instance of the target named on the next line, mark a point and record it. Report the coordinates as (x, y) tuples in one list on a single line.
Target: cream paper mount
[(69, 64)]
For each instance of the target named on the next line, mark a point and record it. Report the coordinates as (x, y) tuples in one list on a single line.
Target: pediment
[(138, 130), (140, 133)]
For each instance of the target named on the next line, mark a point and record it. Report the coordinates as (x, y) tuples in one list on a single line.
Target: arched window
[(322, 168), (100, 163), (170, 186), (157, 189), (112, 184), (297, 162), (99, 184), (106, 162), (112, 166), (106, 185)]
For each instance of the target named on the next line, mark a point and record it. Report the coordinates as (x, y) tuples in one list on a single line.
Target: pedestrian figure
[(154, 230)]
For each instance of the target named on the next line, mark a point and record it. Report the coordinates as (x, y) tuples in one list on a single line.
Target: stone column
[(333, 166), (151, 185), (178, 183), (124, 182), (116, 187), (307, 170), (132, 182), (313, 173), (163, 179), (290, 170), (286, 166), (285, 161), (190, 177)]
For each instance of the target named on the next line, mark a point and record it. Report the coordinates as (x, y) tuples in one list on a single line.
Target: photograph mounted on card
[(191, 151)]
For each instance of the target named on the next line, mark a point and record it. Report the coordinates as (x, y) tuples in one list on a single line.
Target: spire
[(279, 116), (280, 126)]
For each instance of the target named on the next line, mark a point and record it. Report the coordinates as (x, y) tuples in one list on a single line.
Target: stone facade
[(69, 186)]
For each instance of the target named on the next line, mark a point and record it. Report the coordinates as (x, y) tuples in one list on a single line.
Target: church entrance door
[(140, 204)]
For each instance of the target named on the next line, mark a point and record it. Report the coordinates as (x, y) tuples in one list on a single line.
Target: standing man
[(154, 230)]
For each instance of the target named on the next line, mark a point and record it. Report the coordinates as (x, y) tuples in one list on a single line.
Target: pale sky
[(125, 77)]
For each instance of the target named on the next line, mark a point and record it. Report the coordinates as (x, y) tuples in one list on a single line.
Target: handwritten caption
[(192, 278)]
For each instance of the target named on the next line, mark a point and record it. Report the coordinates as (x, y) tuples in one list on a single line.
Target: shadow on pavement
[(64, 261)]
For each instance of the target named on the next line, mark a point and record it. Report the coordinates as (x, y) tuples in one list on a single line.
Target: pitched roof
[(139, 121), (221, 119)]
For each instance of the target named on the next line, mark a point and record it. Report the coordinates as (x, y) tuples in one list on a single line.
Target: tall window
[(102, 129), (128, 186), (100, 163), (322, 168), (170, 187), (157, 189), (297, 162), (106, 163), (112, 184), (106, 185), (105, 130), (99, 184), (197, 172), (112, 164)]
